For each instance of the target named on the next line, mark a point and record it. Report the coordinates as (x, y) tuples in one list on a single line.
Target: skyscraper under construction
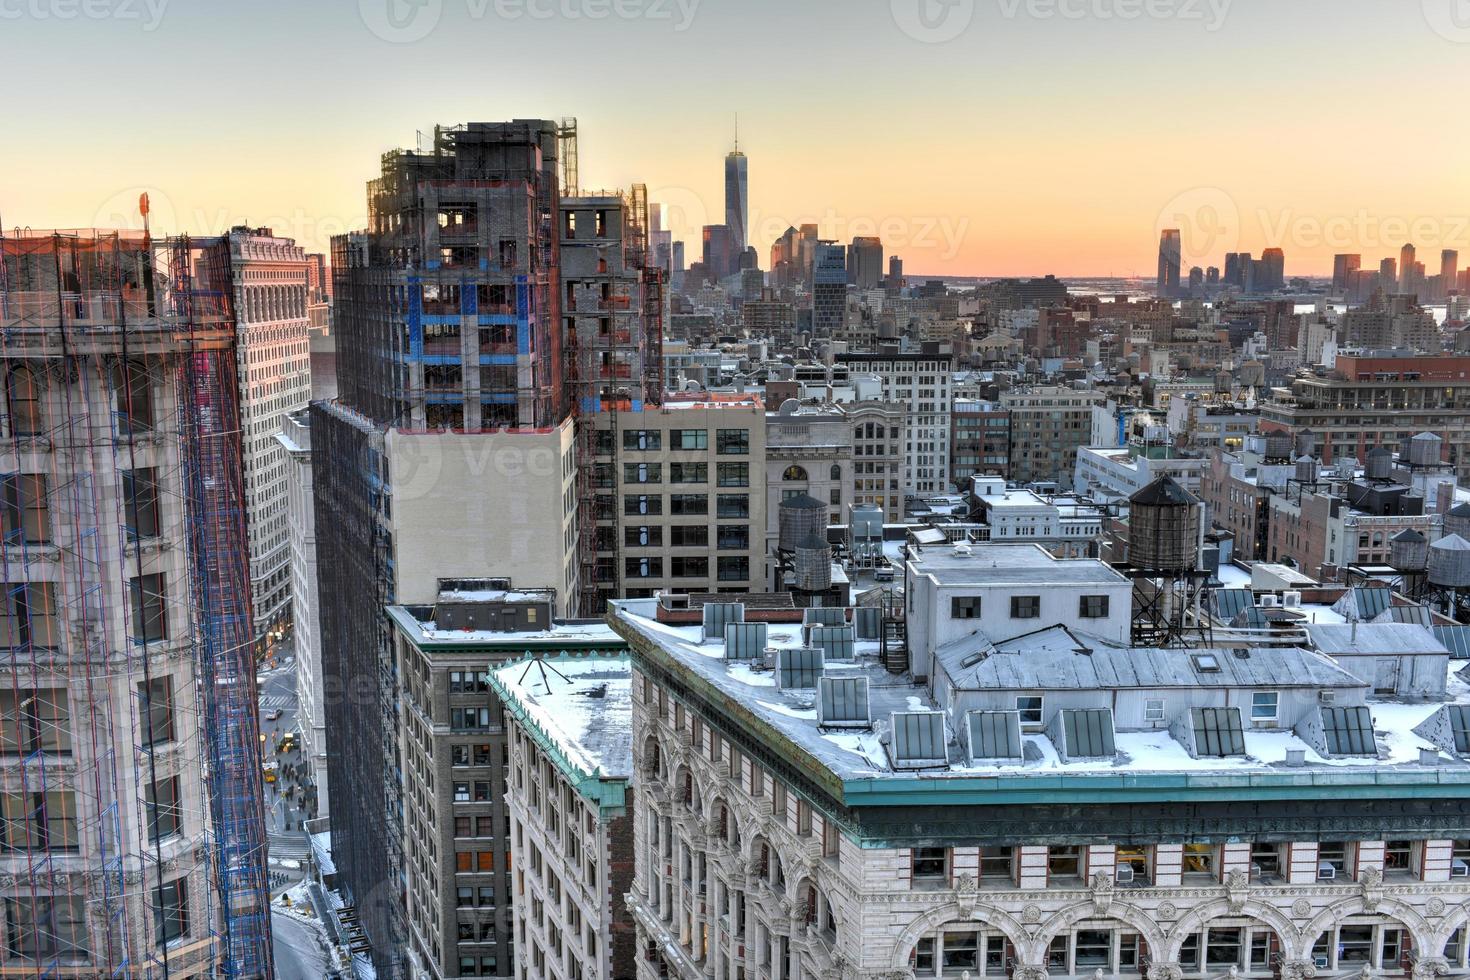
[(133, 832)]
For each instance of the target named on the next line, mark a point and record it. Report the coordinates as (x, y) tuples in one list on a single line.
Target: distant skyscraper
[(865, 262), (1406, 266), (737, 195), (1449, 269), (1343, 267), (1170, 249), (1235, 263), (829, 288), (1196, 279), (895, 272), (1388, 274), (1212, 275), (1272, 275), (721, 257)]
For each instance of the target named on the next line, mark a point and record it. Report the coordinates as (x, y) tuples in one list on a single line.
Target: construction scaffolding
[(129, 735), (614, 305)]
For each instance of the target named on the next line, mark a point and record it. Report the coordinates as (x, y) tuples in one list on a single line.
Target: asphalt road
[(299, 953), (285, 797)]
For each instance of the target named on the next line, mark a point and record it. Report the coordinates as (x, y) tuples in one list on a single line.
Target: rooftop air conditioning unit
[(1326, 871), (1270, 601), (1459, 868), (1320, 962), (1326, 697), (1291, 600), (1125, 874)]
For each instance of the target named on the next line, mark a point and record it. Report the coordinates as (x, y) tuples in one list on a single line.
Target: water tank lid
[(1460, 510), (1304, 458), (1451, 542), (1410, 535), (1164, 491), (1379, 451), (813, 542), (803, 501), (789, 406), (1425, 437)]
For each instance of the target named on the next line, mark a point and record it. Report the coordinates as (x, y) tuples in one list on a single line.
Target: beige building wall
[(471, 505)]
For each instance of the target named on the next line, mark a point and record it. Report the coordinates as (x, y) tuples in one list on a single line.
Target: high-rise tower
[(737, 194), (1170, 250)]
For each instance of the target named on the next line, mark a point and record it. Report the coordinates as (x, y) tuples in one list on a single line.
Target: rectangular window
[(689, 536), (732, 506), (1200, 859), (688, 472), (30, 615), (930, 864), (734, 568), (1263, 705), (165, 810), (140, 494), (170, 911), (997, 864), (640, 505), (733, 474), (964, 607), (688, 504), (1398, 857), (1064, 862), (732, 442), (1092, 607), (1332, 859), (642, 440), (643, 567), (734, 537), (1025, 606), (1153, 709), (150, 616), (689, 566), (689, 439), (46, 928), (34, 720), (26, 517), (1029, 707)]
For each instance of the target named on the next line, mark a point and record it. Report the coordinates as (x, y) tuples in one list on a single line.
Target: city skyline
[(967, 183)]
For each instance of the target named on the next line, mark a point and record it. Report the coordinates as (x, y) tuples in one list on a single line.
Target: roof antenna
[(737, 132), (539, 662)]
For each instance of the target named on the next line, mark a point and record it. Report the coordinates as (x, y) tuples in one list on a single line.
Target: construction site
[(134, 834)]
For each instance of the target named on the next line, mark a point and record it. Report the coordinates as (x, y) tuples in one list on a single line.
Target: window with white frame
[(1086, 951), (1264, 706), (1029, 706), (959, 949), (1356, 943)]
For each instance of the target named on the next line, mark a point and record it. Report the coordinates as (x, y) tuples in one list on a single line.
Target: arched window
[(836, 472), (794, 474), (23, 390)]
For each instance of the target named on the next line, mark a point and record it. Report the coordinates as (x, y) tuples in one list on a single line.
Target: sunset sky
[(1044, 136)]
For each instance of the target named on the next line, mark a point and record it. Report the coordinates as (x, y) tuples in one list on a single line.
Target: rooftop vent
[(798, 668), (836, 642), (718, 615), (744, 641), (995, 736), (842, 702), (824, 616), (918, 740), (1349, 731), (1217, 732)]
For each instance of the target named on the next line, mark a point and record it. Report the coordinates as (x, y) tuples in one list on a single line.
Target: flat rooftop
[(856, 766), (1010, 564), (582, 706)]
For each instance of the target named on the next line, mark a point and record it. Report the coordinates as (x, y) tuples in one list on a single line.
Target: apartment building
[(980, 440), (271, 295), (1378, 400), (1236, 489), (133, 836), (569, 733), (1049, 425), (681, 496), (1036, 805), (809, 450), (920, 381), (1116, 473), (453, 745), (295, 440)]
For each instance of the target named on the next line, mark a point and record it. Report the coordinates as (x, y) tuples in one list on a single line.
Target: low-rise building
[(569, 733)]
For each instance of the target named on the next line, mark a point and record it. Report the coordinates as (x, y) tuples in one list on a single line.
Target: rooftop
[(1009, 564)]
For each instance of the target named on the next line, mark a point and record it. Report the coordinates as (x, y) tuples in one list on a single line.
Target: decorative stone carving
[(1435, 907), (1102, 892), (1237, 887), (1031, 914), (1167, 910), (966, 895), (1301, 908), (1430, 966), (1165, 971), (1366, 973), (1298, 970), (1029, 973), (1371, 880)]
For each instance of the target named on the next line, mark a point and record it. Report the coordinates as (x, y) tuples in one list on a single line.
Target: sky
[(976, 137)]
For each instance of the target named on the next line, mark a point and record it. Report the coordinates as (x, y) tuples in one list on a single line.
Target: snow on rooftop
[(583, 705)]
